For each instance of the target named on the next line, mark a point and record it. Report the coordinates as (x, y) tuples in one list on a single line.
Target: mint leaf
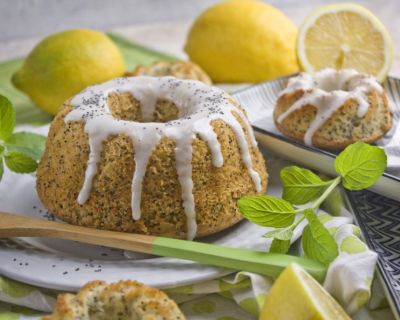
[(318, 243), (281, 239), (30, 144), (267, 211), (280, 234), (1, 168), (300, 185), (360, 165), (7, 118), (19, 162), (279, 246)]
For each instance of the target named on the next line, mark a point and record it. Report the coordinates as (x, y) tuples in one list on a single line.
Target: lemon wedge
[(296, 295), (345, 35)]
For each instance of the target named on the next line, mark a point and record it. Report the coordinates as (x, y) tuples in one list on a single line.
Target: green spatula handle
[(269, 264)]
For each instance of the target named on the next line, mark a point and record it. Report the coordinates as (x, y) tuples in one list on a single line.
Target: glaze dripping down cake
[(150, 155)]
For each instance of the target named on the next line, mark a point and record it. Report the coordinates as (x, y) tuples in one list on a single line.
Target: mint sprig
[(301, 185), (7, 118), (280, 234), (318, 243), (28, 143), (279, 246), (19, 162), (358, 167), (267, 211), (281, 239), (19, 151)]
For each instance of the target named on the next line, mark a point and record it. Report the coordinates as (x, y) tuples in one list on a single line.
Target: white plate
[(67, 265)]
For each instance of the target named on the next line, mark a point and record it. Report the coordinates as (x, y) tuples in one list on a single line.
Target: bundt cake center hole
[(124, 106), (330, 84)]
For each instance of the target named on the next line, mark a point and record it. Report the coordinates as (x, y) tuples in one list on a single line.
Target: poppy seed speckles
[(332, 109), (122, 300), (153, 160)]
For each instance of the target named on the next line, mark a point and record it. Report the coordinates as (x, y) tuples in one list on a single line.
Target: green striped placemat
[(28, 113)]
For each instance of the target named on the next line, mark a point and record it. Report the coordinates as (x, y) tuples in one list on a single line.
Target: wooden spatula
[(270, 264)]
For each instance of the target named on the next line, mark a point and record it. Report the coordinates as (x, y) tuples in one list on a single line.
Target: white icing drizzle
[(198, 105), (327, 90), (183, 158), (143, 152), (207, 133)]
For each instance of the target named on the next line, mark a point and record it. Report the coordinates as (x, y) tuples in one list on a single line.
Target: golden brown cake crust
[(178, 69), (342, 128), (62, 168), (124, 300)]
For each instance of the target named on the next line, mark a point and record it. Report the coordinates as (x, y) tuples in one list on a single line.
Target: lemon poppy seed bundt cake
[(179, 69), (150, 155), (123, 300), (333, 108)]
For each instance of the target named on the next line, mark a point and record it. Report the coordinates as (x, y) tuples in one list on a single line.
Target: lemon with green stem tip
[(64, 63)]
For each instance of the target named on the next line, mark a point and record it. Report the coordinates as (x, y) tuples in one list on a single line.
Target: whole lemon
[(64, 63), (243, 41)]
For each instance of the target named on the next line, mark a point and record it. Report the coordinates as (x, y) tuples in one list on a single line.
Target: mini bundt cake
[(150, 155), (178, 69), (333, 108), (124, 300)]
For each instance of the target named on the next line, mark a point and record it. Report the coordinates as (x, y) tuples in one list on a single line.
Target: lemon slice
[(295, 295), (345, 35)]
